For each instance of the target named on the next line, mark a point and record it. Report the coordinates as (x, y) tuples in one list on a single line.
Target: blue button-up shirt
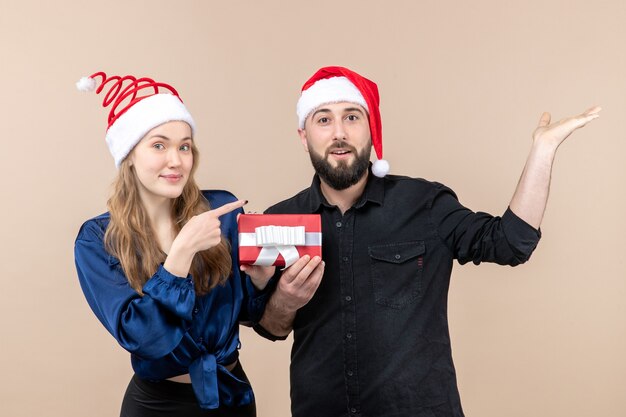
[(170, 330)]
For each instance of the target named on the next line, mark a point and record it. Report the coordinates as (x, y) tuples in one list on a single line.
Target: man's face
[(338, 140)]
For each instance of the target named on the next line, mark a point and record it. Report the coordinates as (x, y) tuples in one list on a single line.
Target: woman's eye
[(185, 147), (158, 146)]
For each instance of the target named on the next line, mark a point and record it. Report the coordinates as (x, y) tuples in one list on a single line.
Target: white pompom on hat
[(339, 84), (86, 84), (137, 106)]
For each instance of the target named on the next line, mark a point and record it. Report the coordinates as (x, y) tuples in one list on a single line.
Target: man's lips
[(341, 152)]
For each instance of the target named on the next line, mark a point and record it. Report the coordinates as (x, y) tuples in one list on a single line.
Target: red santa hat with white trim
[(137, 106), (339, 84)]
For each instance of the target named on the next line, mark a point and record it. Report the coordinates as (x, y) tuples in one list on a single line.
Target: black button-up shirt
[(373, 340)]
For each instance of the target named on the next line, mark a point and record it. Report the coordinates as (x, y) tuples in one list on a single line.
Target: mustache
[(341, 145)]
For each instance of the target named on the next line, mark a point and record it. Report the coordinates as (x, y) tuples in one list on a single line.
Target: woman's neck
[(159, 212)]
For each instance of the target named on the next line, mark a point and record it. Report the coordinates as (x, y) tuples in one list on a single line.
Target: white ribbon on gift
[(279, 240)]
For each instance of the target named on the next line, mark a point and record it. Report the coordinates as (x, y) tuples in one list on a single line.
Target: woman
[(159, 269)]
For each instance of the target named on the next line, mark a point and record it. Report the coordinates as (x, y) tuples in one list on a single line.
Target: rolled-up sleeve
[(149, 326), (480, 237)]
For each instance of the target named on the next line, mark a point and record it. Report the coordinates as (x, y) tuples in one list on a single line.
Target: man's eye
[(353, 117), (323, 120)]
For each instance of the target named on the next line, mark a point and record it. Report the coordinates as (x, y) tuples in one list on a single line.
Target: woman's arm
[(151, 325)]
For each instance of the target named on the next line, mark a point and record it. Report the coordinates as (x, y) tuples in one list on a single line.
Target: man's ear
[(305, 144)]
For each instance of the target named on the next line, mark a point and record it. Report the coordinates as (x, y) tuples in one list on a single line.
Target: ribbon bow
[(279, 240)]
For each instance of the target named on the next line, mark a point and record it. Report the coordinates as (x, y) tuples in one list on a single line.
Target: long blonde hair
[(131, 238)]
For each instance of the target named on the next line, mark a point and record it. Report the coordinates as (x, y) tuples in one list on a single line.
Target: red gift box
[(278, 239)]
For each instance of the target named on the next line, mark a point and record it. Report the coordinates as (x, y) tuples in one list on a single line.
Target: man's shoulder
[(412, 185), (299, 203)]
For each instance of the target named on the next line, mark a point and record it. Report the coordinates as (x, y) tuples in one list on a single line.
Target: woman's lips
[(172, 177)]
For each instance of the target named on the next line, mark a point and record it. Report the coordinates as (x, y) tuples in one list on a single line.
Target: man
[(371, 338)]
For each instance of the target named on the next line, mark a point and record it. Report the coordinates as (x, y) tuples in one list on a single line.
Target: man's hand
[(295, 288), (298, 283), (554, 134), (531, 195)]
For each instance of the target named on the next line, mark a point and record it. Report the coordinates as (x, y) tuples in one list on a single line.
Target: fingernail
[(245, 202)]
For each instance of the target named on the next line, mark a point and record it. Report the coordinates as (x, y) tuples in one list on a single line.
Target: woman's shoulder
[(94, 227), (217, 198)]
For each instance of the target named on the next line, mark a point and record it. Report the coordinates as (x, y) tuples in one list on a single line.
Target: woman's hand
[(260, 275), (201, 232)]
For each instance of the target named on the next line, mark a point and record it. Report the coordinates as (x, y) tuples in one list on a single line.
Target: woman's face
[(163, 161)]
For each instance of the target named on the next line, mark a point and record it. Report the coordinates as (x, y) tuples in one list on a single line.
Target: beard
[(344, 175)]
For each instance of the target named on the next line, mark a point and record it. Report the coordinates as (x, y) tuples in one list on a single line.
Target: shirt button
[(348, 298), (350, 373), (397, 256), (200, 340), (195, 311), (349, 335), (353, 410), (338, 224), (345, 259)]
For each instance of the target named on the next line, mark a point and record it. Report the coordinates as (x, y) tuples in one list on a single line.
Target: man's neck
[(344, 199)]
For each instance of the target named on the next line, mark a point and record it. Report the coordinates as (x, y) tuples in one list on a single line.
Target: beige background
[(463, 85)]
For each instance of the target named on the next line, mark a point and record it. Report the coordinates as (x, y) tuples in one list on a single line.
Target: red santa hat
[(339, 84), (137, 106)]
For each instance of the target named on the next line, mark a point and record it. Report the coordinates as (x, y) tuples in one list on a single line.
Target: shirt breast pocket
[(396, 271)]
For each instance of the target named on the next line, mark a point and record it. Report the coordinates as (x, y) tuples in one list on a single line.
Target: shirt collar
[(374, 192)]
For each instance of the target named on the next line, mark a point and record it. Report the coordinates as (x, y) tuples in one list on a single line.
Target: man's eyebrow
[(353, 109), (347, 109), (322, 110)]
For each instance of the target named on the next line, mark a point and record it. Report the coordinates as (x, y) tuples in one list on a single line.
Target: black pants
[(166, 398)]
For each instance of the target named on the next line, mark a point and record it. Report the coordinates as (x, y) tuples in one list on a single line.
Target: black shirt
[(374, 340)]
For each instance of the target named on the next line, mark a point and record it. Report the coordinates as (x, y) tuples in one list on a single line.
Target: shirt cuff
[(176, 294), (261, 331)]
